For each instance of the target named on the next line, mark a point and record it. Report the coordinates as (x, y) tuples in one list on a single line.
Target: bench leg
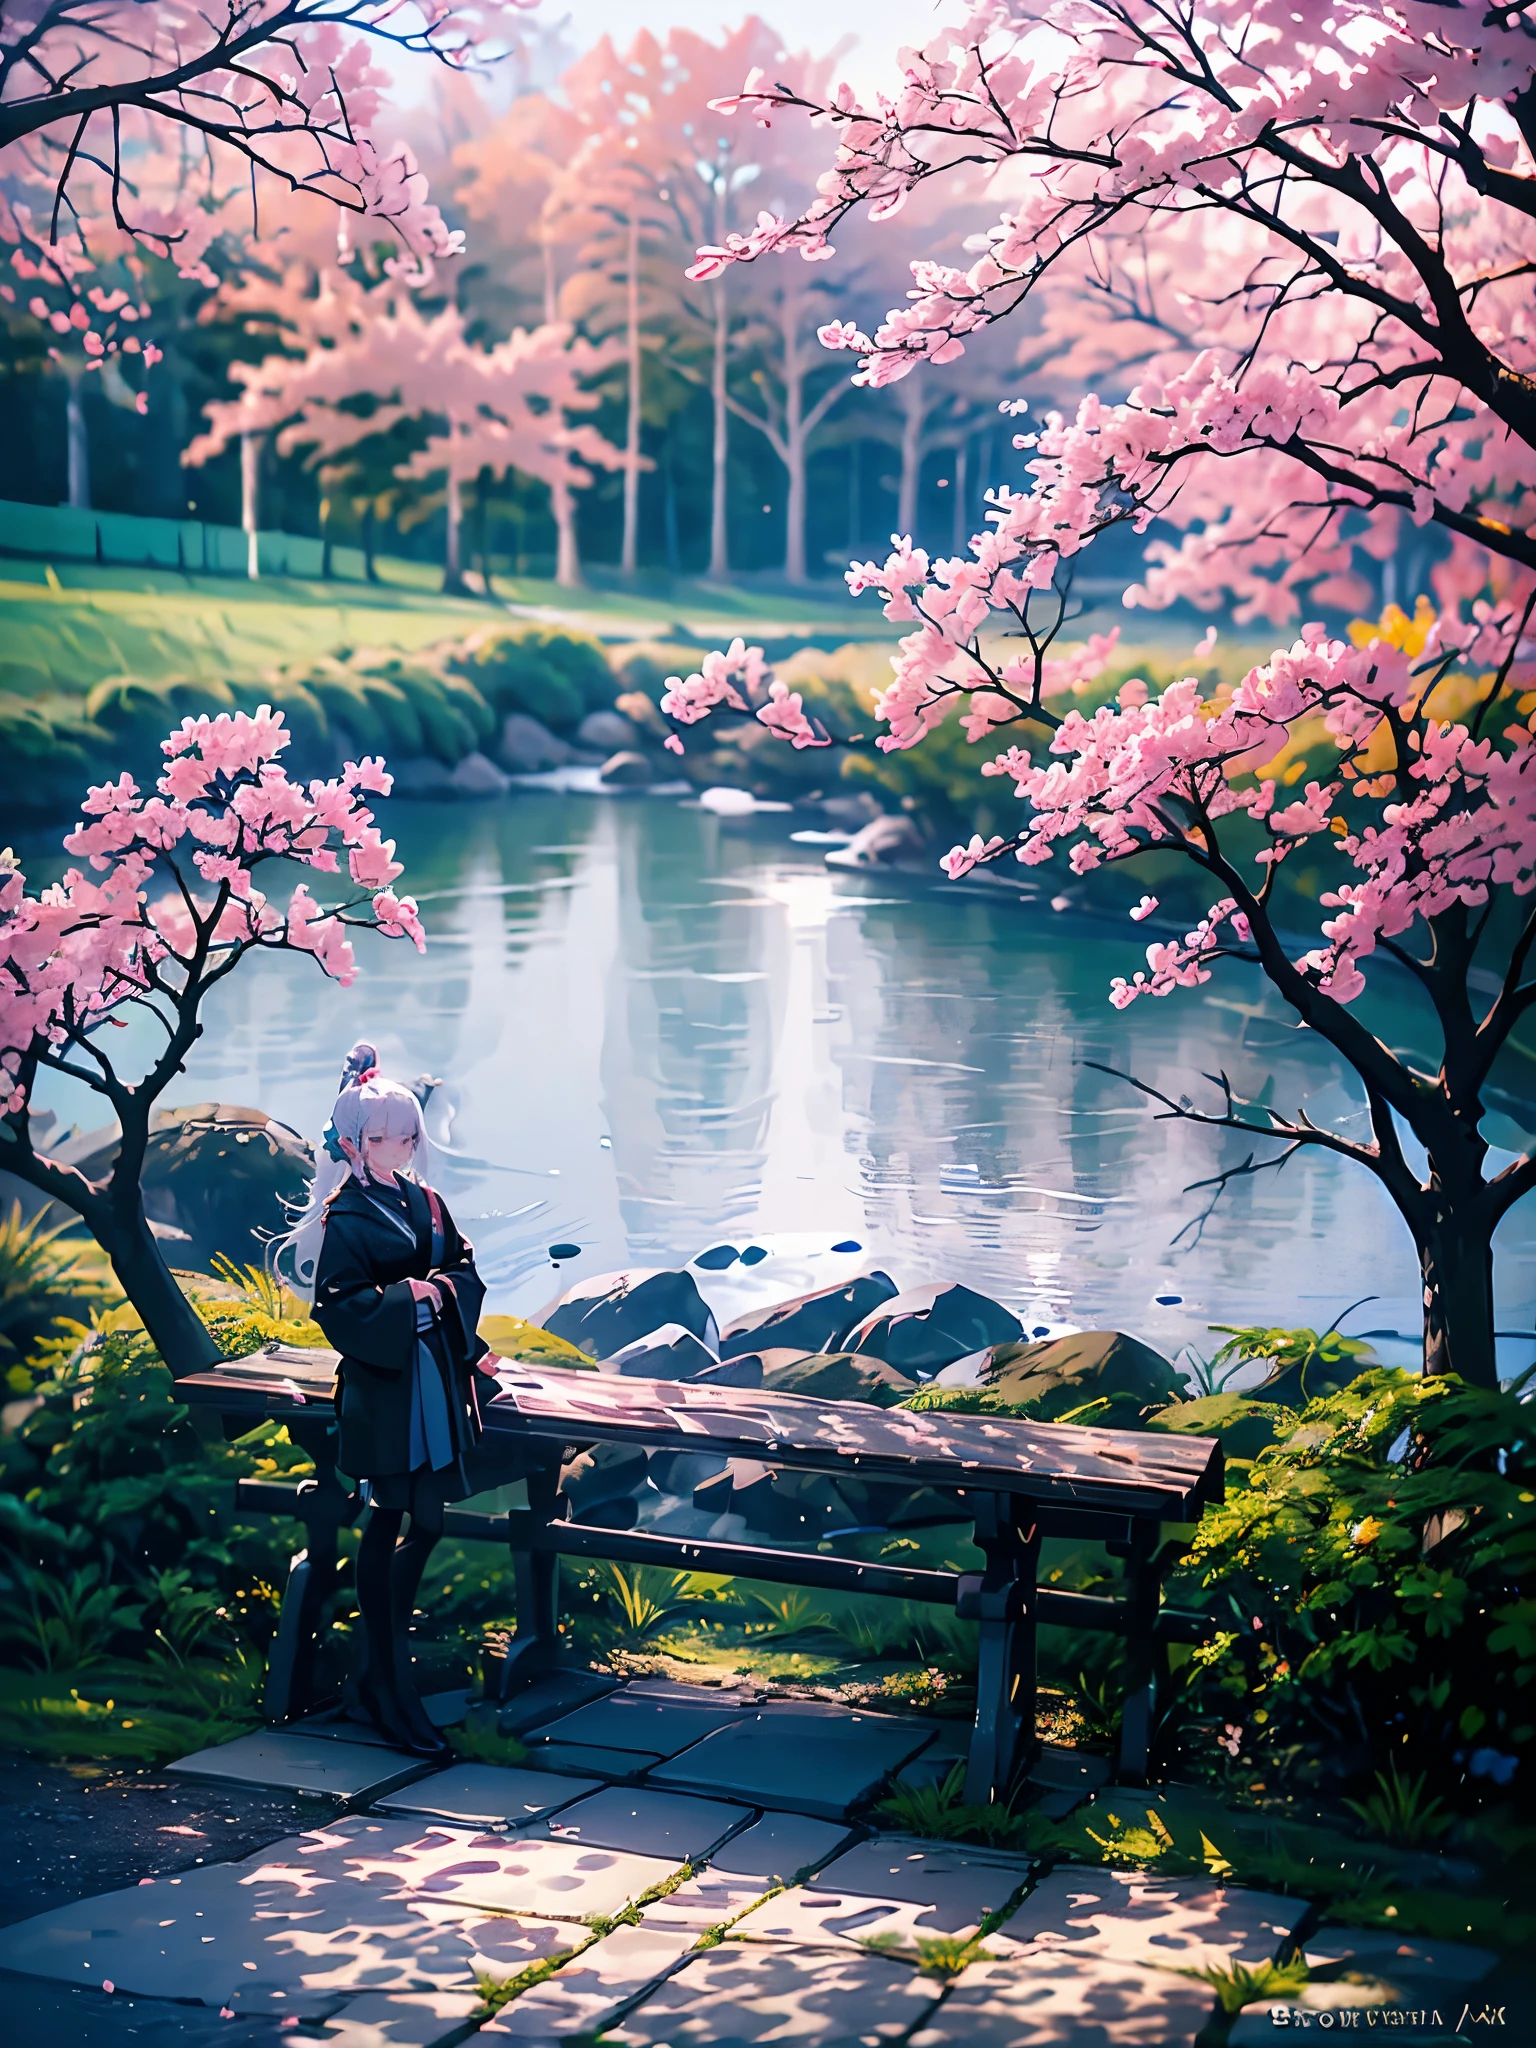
[(326, 1507), (535, 1645), (1002, 1601), (1138, 1709)]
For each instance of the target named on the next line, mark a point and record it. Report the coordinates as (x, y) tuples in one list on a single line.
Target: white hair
[(367, 1107)]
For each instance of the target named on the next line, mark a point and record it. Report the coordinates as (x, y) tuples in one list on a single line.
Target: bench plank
[(1170, 1477)]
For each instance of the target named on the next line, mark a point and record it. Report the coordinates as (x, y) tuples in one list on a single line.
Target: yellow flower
[(1366, 1532)]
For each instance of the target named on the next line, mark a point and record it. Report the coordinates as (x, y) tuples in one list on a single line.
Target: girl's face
[(385, 1154)]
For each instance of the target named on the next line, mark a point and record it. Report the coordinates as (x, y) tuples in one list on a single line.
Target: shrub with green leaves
[(1371, 1576), (46, 1277), (552, 676)]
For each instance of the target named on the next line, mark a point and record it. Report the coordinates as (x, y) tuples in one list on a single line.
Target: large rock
[(527, 747), (808, 1322), (851, 813), (607, 732), (881, 843), (606, 1312), (422, 777), (670, 1353), (217, 1178), (627, 770), (923, 1329), (476, 775), (1060, 1375), (839, 1376)]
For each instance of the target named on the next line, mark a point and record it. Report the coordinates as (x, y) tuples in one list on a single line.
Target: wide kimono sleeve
[(463, 1293), (374, 1324)]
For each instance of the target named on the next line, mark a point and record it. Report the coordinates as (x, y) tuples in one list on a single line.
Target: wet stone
[(280, 1761), (546, 1698), (738, 1994), (804, 1757), (488, 1795), (1067, 2001), (666, 1824), (892, 1889), (594, 1986), (1129, 1917)]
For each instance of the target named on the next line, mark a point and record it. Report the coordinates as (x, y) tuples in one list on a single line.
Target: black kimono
[(405, 1385)]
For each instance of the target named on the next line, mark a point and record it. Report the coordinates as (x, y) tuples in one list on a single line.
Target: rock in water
[(478, 776), (840, 1376), (606, 1312), (627, 770), (923, 1329), (881, 843), (606, 732), (809, 1322), (528, 748), (421, 777), (1061, 1374)]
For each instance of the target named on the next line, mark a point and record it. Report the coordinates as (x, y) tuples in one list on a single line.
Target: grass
[(69, 627)]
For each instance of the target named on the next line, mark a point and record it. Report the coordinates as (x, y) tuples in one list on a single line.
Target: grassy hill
[(64, 629)]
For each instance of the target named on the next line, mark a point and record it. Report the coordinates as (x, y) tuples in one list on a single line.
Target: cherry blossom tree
[(164, 909), (502, 408), (292, 89), (1315, 227)]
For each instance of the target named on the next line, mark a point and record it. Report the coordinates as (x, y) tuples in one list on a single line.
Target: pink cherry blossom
[(76, 956)]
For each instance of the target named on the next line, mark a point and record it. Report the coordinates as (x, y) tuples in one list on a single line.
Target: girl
[(397, 1294)]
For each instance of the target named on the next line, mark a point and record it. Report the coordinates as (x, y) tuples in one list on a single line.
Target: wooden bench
[(1015, 1481)]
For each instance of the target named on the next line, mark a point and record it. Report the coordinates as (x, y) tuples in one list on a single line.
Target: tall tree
[(1350, 235), (504, 408)]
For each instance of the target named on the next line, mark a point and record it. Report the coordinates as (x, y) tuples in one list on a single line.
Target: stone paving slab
[(594, 1987), (778, 1846), (366, 1905), (704, 1902), (1130, 1917), (41, 2014), (277, 1760), (892, 1889), (582, 1759), (547, 1697), (235, 1937), (801, 1755), (668, 1824), (1403, 1958), (737, 1994), (1052, 1999), (410, 2019), (638, 1721), (487, 1795)]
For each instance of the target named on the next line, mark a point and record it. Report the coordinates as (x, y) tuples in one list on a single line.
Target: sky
[(805, 24)]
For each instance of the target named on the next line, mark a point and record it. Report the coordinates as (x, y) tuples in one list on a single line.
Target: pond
[(658, 1030)]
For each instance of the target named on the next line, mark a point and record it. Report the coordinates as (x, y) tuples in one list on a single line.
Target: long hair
[(367, 1106)]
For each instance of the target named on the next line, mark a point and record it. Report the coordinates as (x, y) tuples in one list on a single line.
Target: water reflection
[(658, 1031)]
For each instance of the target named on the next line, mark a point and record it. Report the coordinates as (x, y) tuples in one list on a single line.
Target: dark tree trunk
[(1456, 1263), (370, 572), (175, 1329)]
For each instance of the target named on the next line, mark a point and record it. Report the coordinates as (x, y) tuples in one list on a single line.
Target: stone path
[(733, 1896)]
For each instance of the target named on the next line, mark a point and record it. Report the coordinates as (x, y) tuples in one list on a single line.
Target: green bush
[(1370, 1572), (552, 676), (45, 1277)]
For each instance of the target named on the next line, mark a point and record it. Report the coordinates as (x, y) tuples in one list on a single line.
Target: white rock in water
[(728, 803)]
